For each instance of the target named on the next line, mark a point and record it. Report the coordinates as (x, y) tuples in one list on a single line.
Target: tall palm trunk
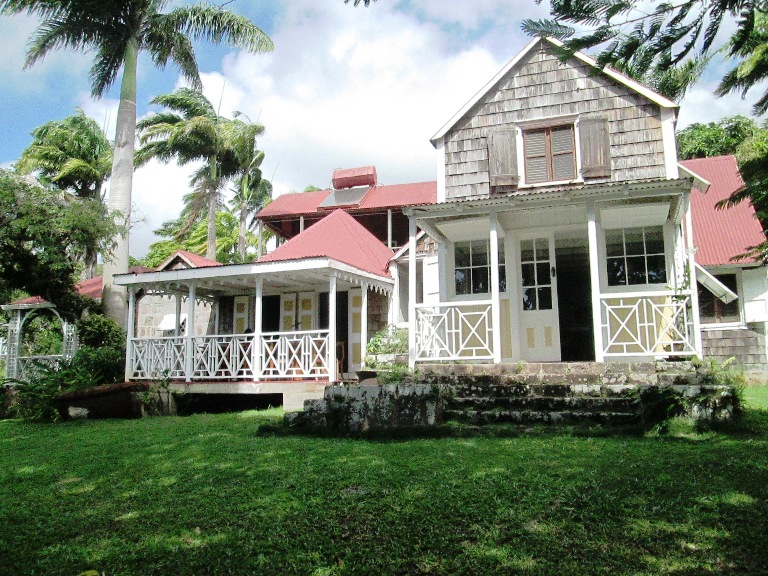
[(243, 229), (113, 297), (213, 205)]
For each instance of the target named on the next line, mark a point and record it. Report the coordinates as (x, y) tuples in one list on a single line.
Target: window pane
[(616, 274), (545, 298), (462, 254), (633, 239), (535, 143), (614, 242), (502, 279), (480, 280), (529, 299), (480, 253), (526, 250), (636, 270), (654, 240), (657, 271), (536, 170), (462, 281), (528, 275), (562, 139), (563, 168), (542, 274), (542, 249)]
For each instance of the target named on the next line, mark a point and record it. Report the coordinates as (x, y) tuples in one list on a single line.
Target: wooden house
[(562, 221)]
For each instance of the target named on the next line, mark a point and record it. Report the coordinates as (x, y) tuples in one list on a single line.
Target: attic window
[(550, 154)]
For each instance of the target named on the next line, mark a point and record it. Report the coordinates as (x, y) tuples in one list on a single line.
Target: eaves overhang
[(537, 198)]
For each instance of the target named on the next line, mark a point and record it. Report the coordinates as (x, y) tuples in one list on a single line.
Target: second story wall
[(548, 123)]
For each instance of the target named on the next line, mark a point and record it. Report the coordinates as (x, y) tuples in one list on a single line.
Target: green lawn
[(216, 495)]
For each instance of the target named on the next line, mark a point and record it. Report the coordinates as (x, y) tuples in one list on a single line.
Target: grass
[(221, 494)]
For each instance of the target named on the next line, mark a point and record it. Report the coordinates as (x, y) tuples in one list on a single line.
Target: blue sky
[(344, 87)]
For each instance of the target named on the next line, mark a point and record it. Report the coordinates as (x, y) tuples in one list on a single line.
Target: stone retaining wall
[(745, 345)]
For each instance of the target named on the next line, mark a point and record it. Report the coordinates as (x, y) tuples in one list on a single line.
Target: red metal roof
[(340, 237), (294, 204), (194, 260), (719, 235), (377, 198)]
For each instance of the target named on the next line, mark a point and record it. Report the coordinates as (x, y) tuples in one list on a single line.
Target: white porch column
[(411, 292), (259, 231), (495, 299), (692, 275), (177, 330), (257, 315), (189, 362), (389, 229), (394, 299), (130, 332), (301, 224), (363, 324), (332, 329), (594, 279)]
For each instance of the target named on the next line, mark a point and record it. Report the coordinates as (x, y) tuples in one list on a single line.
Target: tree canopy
[(116, 32), (667, 36), (44, 234)]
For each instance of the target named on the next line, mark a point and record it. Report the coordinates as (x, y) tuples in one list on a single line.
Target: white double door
[(539, 323)]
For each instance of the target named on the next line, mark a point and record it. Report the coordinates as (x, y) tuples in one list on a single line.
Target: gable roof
[(608, 71), (188, 259), (378, 197), (340, 237), (719, 235)]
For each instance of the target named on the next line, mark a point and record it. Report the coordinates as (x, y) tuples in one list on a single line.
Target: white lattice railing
[(294, 355), (648, 324), (454, 331), (283, 355), (153, 358)]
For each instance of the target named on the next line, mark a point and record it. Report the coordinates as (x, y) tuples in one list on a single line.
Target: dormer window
[(550, 154)]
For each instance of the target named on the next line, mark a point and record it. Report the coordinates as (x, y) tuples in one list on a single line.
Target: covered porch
[(272, 322), (593, 273)]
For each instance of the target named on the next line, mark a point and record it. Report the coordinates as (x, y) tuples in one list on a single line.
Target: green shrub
[(98, 331), (390, 340), (101, 365)]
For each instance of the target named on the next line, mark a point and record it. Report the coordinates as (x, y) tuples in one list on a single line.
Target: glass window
[(712, 309), (473, 267), (636, 256), (550, 154), (536, 275)]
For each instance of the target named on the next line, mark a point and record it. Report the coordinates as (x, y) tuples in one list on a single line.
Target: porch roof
[(306, 274), (536, 198)]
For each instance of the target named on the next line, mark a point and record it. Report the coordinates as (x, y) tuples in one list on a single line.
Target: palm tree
[(252, 191), (117, 32), (752, 48), (73, 155), (191, 130)]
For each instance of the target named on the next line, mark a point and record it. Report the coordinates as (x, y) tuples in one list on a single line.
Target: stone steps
[(538, 416), (543, 403)]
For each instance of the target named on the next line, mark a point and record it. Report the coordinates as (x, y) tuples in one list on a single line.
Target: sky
[(344, 87)]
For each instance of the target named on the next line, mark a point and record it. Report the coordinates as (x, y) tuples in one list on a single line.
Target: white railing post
[(692, 276), (189, 364), (495, 299), (256, 345), (177, 325), (131, 332), (594, 278), (363, 325), (332, 329), (411, 292)]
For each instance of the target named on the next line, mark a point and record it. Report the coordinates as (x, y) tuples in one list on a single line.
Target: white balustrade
[(648, 324), (30, 366), (454, 331), (154, 358), (294, 355), (284, 355)]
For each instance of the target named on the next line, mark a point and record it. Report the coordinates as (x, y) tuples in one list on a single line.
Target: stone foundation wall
[(360, 408), (747, 346)]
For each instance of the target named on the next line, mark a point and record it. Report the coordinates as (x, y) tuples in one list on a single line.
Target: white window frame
[(503, 264), (656, 286)]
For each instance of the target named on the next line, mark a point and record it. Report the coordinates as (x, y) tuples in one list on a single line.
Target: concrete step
[(538, 416), (543, 403)]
